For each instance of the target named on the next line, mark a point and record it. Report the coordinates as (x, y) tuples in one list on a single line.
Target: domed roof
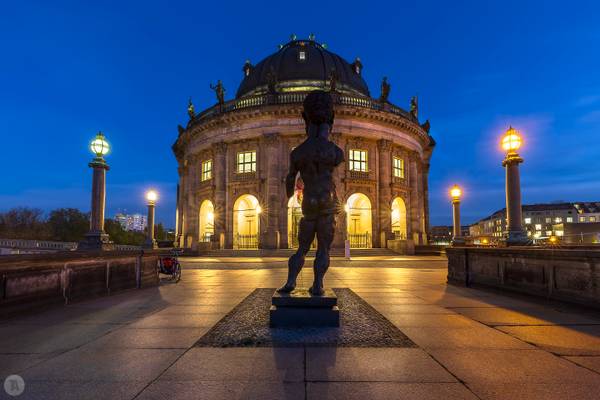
[(302, 65)]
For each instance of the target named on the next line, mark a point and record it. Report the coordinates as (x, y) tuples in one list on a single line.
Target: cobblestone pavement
[(472, 343)]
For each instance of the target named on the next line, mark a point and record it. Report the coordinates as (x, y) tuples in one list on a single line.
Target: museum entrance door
[(399, 219), (359, 221), (206, 221), (246, 221)]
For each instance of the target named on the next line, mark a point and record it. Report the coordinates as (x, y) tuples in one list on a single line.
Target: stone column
[(457, 238), (150, 242), (96, 238), (426, 195), (385, 191), (220, 184), (340, 189), (270, 235), (414, 201), (516, 235)]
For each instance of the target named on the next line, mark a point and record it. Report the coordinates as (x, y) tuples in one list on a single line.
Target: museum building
[(233, 158)]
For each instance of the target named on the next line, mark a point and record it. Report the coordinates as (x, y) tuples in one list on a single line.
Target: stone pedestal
[(301, 309)]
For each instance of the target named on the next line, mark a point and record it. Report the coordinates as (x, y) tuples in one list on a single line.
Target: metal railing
[(246, 241), (359, 240), (298, 98)]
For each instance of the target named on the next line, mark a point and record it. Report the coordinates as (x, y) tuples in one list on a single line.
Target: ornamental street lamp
[(96, 238), (151, 196), (455, 194), (511, 142)]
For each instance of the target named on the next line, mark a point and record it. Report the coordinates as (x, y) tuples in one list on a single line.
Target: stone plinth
[(301, 309)]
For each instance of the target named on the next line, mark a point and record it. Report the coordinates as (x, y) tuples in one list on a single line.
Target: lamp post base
[(150, 244), (96, 241), (517, 238)]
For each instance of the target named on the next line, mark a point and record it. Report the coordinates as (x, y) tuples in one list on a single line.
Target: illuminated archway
[(294, 216), (206, 221), (246, 213), (399, 218), (359, 224)]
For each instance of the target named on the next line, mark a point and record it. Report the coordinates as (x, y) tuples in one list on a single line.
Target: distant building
[(588, 212), (132, 222), (539, 220), (578, 232), (442, 235)]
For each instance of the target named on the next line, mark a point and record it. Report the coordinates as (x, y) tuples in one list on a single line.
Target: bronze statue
[(191, 110), (414, 106), (385, 90), (315, 159), (219, 91), (426, 126), (333, 78)]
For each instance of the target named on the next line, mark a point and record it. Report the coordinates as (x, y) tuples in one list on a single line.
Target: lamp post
[(151, 196), (511, 142), (96, 238), (455, 194)]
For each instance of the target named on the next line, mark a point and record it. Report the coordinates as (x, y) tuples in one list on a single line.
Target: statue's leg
[(306, 234), (325, 232)]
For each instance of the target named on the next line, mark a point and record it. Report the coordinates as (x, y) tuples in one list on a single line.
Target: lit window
[(581, 219), (558, 220), (569, 219), (548, 233), (537, 234), (206, 170), (358, 160), (538, 227), (527, 220), (592, 219), (398, 167), (302, 55), (246, 162), (560, 233), (548, 220)]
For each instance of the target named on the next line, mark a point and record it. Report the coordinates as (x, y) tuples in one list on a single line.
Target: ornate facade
[(233, 158)]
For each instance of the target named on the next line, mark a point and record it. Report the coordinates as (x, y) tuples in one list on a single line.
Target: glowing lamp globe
[(99, 146), (258, 209), (151, 196), (455, 192), (511, 142)]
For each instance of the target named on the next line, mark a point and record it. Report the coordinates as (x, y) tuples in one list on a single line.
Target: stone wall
[(571, 275), (34, 281)]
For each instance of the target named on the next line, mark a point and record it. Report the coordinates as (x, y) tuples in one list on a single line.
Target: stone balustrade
[(38, 280), (571, 275)]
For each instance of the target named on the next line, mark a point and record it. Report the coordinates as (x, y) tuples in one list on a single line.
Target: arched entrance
[(399, 218), (246, 213), (359, 224), (206, 221), (294, 216)]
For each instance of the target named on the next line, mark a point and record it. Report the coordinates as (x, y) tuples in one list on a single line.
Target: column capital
[(219, 148), (270, 138), (512, 158), (384, 144)]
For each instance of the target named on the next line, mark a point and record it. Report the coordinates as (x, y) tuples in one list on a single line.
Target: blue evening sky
[(69, 69)]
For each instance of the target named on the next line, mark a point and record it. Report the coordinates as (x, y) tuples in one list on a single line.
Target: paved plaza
[(471, 343)]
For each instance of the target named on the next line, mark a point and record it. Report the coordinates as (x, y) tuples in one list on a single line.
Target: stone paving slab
[(525, 316), (330, 364), (565, 340), (536, 391), (589, 362), (508, 366), (104, 365), (217, 390), (166, 320), (387, 390), (431, 320), (273, 364), (476, 337), (36, 390), (150, 338)]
